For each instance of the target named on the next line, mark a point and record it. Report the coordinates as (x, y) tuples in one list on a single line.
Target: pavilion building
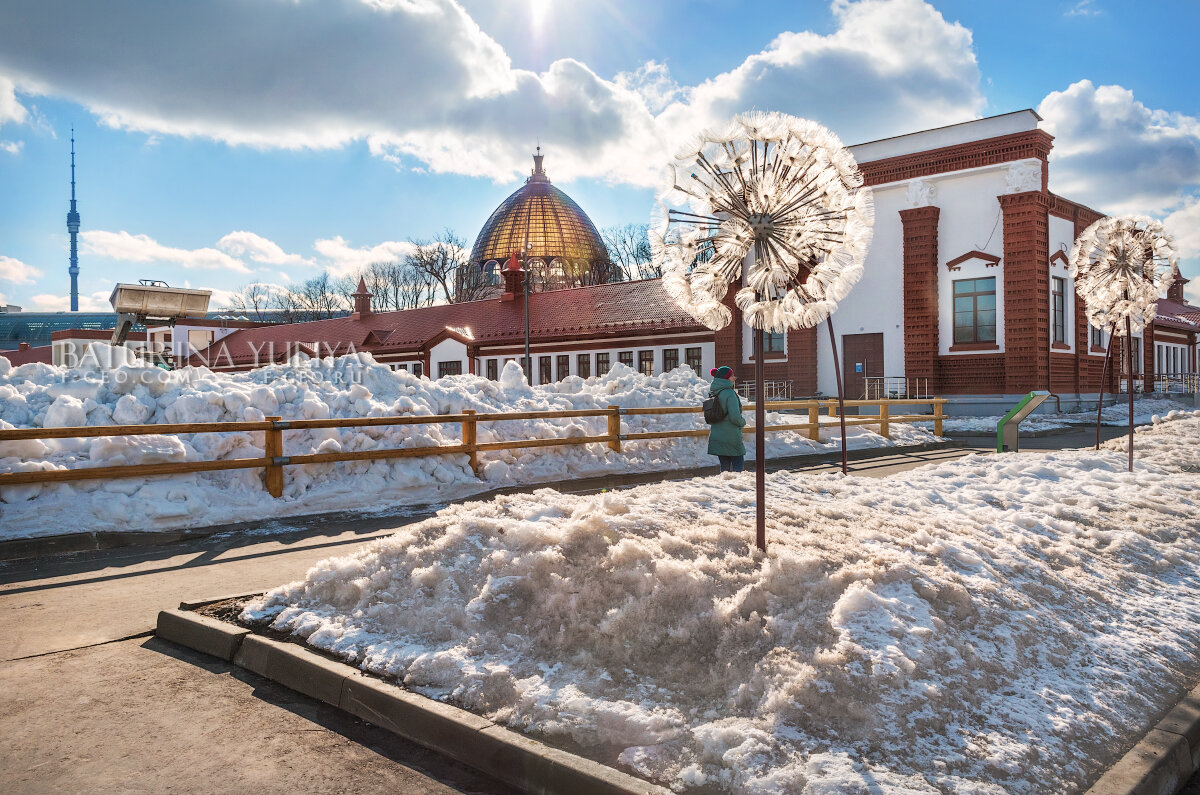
[(966, 294)]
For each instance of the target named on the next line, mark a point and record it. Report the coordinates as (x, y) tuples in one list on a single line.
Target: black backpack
[(714, 410)]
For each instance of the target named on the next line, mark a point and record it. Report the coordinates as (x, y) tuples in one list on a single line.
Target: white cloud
[(1113, 152), (1083, 8), (904, 65), (51, 302), (259, 249), (143, 248), (17, 272), (344, 258), (10, 109), (652, 81), (12, 147), (1184, 226), (418, 80)]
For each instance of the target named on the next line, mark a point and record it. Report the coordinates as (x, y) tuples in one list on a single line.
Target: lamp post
[(528, 358)]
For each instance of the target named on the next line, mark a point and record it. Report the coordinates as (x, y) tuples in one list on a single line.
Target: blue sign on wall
[(858, 367)]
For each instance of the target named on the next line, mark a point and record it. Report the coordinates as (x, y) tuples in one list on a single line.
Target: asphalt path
[(89, 701)]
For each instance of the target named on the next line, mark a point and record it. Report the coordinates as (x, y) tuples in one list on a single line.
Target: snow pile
[(38, 395), (991, 624)]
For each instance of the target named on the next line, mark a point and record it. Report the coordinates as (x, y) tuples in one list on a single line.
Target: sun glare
[(538, 11)]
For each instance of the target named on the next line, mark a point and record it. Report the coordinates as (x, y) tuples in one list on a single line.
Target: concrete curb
[(460, 735), (67, 543), (1162, 761)]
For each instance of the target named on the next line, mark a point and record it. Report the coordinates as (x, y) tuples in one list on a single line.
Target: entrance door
[(862, 357)]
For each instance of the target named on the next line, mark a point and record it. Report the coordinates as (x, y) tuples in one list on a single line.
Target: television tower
[(73, 228)]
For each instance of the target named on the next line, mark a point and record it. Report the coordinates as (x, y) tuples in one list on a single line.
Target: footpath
[(91, 701)]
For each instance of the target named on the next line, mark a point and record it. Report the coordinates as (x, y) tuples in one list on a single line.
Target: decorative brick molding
[(1026, 290), (920, 263), (1081, 214), (989, 260), (990, 151)]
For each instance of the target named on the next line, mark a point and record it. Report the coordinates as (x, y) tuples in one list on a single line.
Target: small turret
[(1175, 291), (362, 299)]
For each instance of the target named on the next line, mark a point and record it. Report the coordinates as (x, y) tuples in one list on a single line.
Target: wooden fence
[(274, 459)]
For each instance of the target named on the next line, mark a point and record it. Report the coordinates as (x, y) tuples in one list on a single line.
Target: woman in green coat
[(725, 437)]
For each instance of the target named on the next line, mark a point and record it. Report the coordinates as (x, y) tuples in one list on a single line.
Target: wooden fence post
[(470, 440), (937, 416), (833, 408), (814, 420), (614, 428), (273, 448), (883, 420)]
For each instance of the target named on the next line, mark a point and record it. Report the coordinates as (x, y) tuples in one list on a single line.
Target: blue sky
[(227, 141)]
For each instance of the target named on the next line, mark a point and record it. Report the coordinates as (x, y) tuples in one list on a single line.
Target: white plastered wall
[(1062, 236), (448, 350)]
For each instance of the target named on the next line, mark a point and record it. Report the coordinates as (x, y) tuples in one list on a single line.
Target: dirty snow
[(994, 624), (111, 387)]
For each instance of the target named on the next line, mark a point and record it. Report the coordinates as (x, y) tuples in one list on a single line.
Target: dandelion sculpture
[(1121, 265), (776, 205)]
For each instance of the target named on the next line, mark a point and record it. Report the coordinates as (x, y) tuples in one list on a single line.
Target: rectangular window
[(493, 366), (694, 358), (564, 365), (646, 362), (670, 359), (400, 367), (449, 368), (583, 365), (418, 369), (544, 368), (601, 363), (772, 342), (975, 310), (625, 358), (1097, 337), (1058, 315)]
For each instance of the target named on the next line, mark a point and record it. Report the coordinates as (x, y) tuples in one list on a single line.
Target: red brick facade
[(1026, 291), (920, 278)]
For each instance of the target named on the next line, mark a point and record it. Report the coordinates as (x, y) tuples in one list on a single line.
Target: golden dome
[(558, 238)]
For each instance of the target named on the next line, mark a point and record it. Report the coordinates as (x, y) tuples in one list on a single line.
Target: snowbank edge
[(98, 540), (463, 736)]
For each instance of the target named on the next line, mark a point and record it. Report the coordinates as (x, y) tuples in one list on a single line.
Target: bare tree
[(629, 250), (254, 301), (285, 305), (438, 262), (319, 299)]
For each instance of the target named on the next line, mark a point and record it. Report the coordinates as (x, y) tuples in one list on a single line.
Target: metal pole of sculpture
[(837, 371), (760, 445), (1112, 337), (1129, 382)]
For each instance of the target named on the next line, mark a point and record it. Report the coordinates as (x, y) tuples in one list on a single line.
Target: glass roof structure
[(561, 245)]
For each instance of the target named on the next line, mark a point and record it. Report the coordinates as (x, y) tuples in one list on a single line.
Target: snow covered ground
[(122, 391), (992, 624), (1145, 409)]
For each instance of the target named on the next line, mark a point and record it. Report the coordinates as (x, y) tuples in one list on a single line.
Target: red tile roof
[(1173, 314), (41, 353), (604, 310)]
